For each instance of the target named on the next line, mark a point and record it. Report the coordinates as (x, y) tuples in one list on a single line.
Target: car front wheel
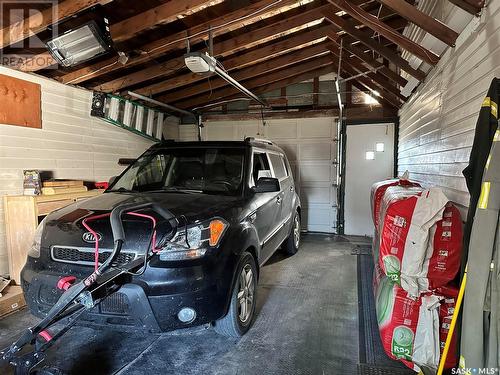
[(242, 307)]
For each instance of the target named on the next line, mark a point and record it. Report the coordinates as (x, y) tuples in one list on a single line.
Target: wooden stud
[(315, 97)]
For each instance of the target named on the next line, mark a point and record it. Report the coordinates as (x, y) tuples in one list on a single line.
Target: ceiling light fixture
[(81, 44)]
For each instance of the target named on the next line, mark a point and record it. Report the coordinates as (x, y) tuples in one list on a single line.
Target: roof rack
[(262, 140)]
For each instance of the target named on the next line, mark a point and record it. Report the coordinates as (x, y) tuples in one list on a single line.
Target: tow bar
[(85, 294)]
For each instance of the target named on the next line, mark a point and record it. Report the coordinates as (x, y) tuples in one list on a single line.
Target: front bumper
[(150, 301)]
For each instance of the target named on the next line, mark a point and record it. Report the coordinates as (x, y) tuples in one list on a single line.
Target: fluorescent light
[(80, 44), (370, 155), (379, 147)]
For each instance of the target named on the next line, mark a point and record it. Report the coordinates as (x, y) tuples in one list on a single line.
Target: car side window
[(278, 166), (260, 167), (287, 166)]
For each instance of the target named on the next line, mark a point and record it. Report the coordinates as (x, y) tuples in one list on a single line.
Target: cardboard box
[(11, 300)]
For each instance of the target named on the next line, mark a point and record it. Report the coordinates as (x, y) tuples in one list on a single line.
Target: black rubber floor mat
[(372, 357), (362, 250), (364, 369)]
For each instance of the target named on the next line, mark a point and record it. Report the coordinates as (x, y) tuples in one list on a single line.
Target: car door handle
[(278, 200), (291, 188)]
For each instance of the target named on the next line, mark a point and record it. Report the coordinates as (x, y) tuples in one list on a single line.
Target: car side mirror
[(125, 161), (267, 185), (112, 180)]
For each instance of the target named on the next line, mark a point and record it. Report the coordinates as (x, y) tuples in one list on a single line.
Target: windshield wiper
[(122, 190), (174, 189)]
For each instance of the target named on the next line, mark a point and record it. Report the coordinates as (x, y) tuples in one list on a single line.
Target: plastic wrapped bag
[(404, 234), (414, 330)]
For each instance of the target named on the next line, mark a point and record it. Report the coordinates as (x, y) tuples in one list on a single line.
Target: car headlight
[(193, 241), (34, 250)]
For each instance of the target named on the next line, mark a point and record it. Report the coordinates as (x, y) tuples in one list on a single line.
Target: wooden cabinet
[(22, 213)]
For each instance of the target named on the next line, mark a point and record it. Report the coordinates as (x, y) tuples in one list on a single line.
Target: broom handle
[(454, 319)]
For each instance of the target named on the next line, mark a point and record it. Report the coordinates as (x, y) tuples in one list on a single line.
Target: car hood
[(193, 206), (65, 227)]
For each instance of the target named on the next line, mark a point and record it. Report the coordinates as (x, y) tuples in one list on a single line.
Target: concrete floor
[(306, 323)]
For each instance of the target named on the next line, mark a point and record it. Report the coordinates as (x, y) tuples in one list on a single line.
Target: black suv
[(235, 204)]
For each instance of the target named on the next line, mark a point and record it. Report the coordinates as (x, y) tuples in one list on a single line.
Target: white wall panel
[(437, 123), (71, 144)]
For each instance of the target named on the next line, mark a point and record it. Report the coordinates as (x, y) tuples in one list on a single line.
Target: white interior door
[(369, 158)]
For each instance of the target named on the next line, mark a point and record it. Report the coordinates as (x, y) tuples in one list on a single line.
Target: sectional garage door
[(311, 149)]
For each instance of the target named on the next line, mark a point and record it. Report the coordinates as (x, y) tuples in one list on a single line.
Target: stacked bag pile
[(417, 250)]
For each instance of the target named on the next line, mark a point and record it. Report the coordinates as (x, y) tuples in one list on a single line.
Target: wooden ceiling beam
[(362, 83), (376, 25), (177, 41), (227, 47), (358, 52), (160, 15), (422, 20), (276, 85), (267, 66), (472, 6), (41, 20), (377, 78), (289, 44), (259, 36), (130, 27), (254, 83), (392, 75), (366, 39)]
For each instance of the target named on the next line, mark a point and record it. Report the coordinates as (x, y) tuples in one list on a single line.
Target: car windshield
[(204, 170)]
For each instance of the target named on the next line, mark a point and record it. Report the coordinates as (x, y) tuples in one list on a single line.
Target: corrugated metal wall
[(437, 124), (71, 144)]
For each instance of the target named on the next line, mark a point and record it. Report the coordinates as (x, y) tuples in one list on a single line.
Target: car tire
[(292, 243), (241, 312)]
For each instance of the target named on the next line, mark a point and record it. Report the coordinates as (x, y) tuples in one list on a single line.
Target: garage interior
[(354, 92)]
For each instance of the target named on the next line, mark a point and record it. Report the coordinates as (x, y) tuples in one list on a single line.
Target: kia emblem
[(89, 237)]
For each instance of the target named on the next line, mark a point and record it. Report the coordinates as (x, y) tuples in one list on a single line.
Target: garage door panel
[(246, 129), (281, 129), (290, 151), (315, 195), (311, 150), (316, 173), (318, 218), (316, 151), (316, 128), (220, 132)]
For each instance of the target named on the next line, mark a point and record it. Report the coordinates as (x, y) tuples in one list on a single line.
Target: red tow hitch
[(65, 282)]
